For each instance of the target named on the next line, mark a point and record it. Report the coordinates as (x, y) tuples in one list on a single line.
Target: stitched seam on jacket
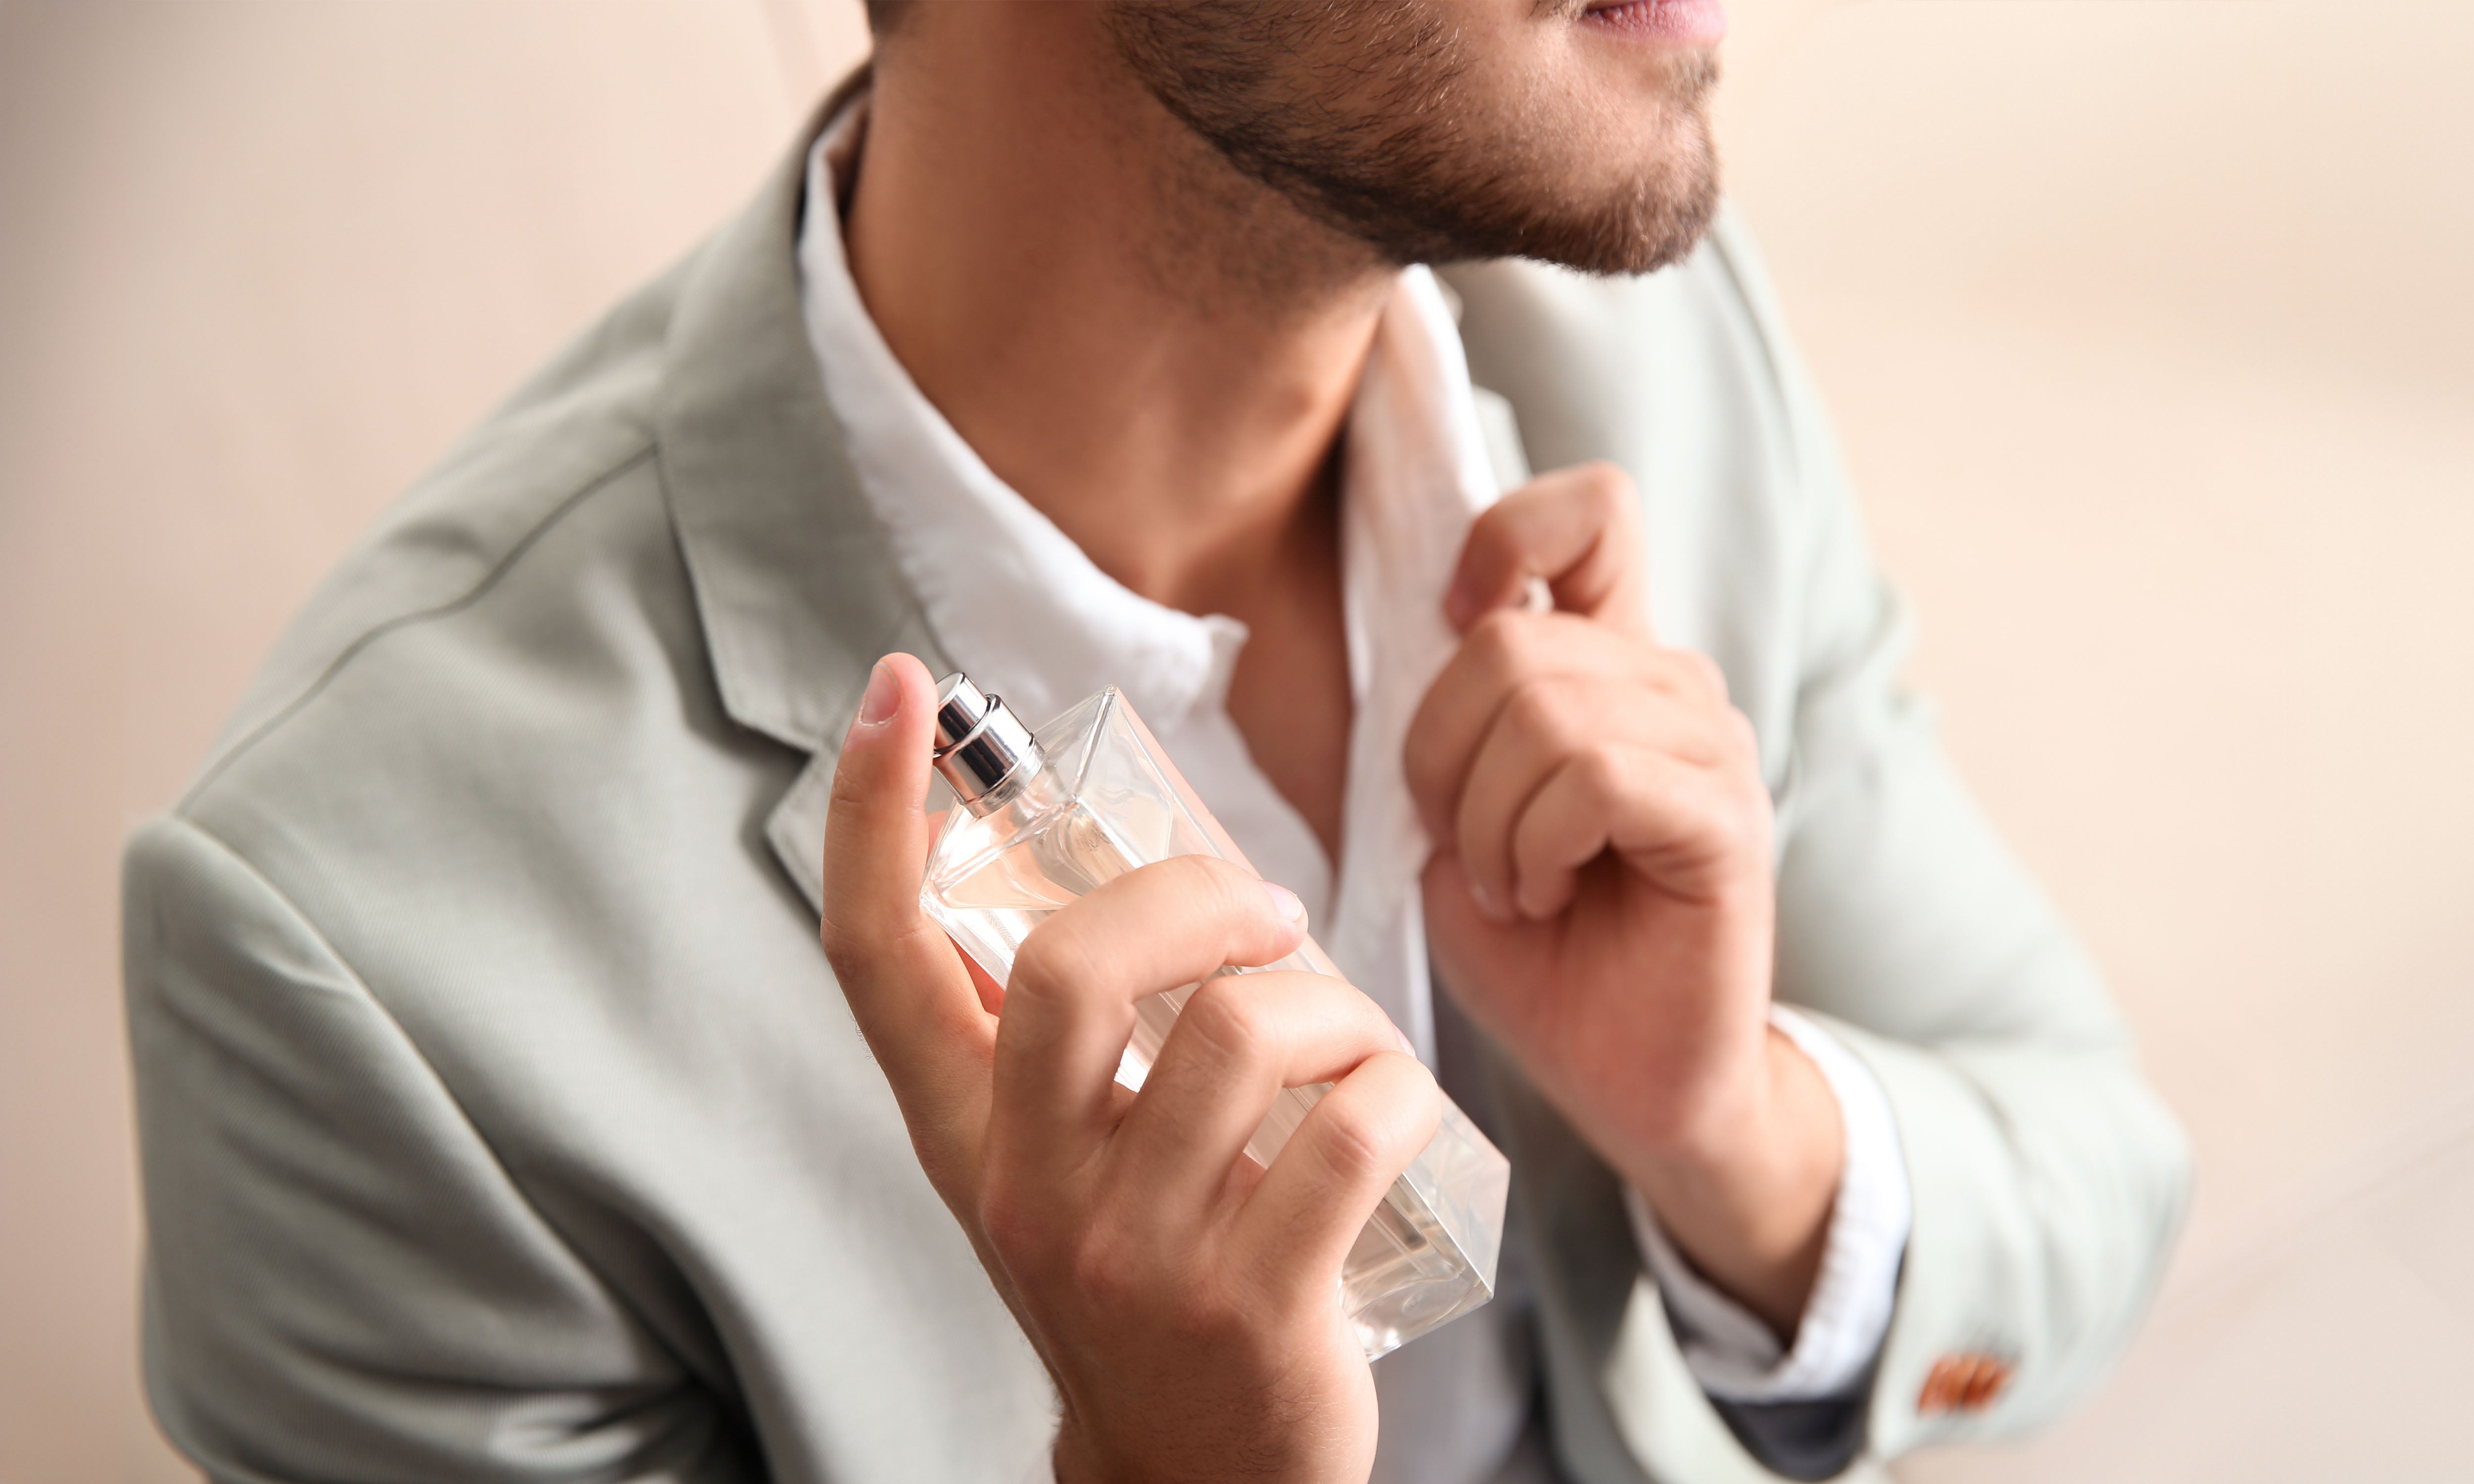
[(351, 652)]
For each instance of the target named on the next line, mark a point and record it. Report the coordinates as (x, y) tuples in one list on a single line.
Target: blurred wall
[(2150, 328), (2147, 324)]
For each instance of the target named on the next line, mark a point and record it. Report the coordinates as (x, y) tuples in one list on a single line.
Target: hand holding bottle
[(1181, 1296), (1601, 897)]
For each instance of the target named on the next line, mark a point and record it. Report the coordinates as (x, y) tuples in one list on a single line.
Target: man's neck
[(1156, 351)]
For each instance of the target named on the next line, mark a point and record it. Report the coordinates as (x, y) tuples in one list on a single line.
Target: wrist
[(1748, 1197)]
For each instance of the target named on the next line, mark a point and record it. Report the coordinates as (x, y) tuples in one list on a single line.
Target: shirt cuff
[(1733, 1354)]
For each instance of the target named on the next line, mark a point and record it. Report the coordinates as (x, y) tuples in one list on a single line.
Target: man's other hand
[(1600, 898), (1184, 1297)]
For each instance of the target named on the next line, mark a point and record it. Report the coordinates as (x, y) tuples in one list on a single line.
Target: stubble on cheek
[(1384, 121), (1600, 173)]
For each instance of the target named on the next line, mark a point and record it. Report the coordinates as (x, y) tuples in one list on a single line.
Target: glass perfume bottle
[(1047, 818)]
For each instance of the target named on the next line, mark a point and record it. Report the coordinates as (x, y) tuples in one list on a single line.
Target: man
[(502, 1119)]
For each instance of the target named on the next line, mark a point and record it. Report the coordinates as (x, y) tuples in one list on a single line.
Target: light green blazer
[(500, 1117)]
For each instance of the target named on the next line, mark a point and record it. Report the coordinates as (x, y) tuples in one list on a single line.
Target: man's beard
[(1359, 113)]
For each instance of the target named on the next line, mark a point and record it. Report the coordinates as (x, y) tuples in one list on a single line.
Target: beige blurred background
[(2149, 325)]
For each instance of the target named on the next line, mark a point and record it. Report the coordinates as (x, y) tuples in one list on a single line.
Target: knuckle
[(1493, 634), (1033, 962), (1492, 532), (1548, 710), (850, 791), (1227, 1025), (1503, 641), (1603, 773), (1369, 1139), (1051, 959), (1533, 710), (1353, 1145), (1102, 1270), (1736, 821)]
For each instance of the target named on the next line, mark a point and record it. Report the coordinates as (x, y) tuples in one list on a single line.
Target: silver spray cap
[(979, 742)]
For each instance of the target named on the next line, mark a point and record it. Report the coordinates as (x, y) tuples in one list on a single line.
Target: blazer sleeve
[(2048, 1178), (342, 1281)]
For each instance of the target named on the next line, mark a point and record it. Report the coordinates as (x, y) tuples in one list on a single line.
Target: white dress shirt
[(1018, 605)]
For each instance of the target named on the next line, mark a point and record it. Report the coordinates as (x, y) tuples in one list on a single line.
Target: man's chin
[(1631, 224), (1644, 241)]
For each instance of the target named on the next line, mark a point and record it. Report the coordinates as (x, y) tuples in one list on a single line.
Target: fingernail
[(1292, 908), (1485, 901), (1408, 1047), (1457, 604), (883, 696)]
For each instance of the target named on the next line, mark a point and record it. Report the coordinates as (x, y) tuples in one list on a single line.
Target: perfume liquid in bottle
[(1045, 819)]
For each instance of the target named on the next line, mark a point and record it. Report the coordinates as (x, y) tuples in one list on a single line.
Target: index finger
[(1577, 529), (904, 980), (1506, 651)]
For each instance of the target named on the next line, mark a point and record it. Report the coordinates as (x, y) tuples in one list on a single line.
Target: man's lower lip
[(1676, 22)]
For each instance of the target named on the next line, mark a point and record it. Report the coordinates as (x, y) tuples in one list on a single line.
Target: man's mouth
[(1669, 22)]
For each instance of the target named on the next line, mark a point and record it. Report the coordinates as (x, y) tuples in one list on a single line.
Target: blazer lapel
[(794, 581)]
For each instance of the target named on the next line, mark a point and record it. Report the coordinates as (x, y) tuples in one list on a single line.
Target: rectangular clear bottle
[(1093, 797)]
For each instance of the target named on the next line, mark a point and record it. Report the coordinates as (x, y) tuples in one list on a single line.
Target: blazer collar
[(795, 582)]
